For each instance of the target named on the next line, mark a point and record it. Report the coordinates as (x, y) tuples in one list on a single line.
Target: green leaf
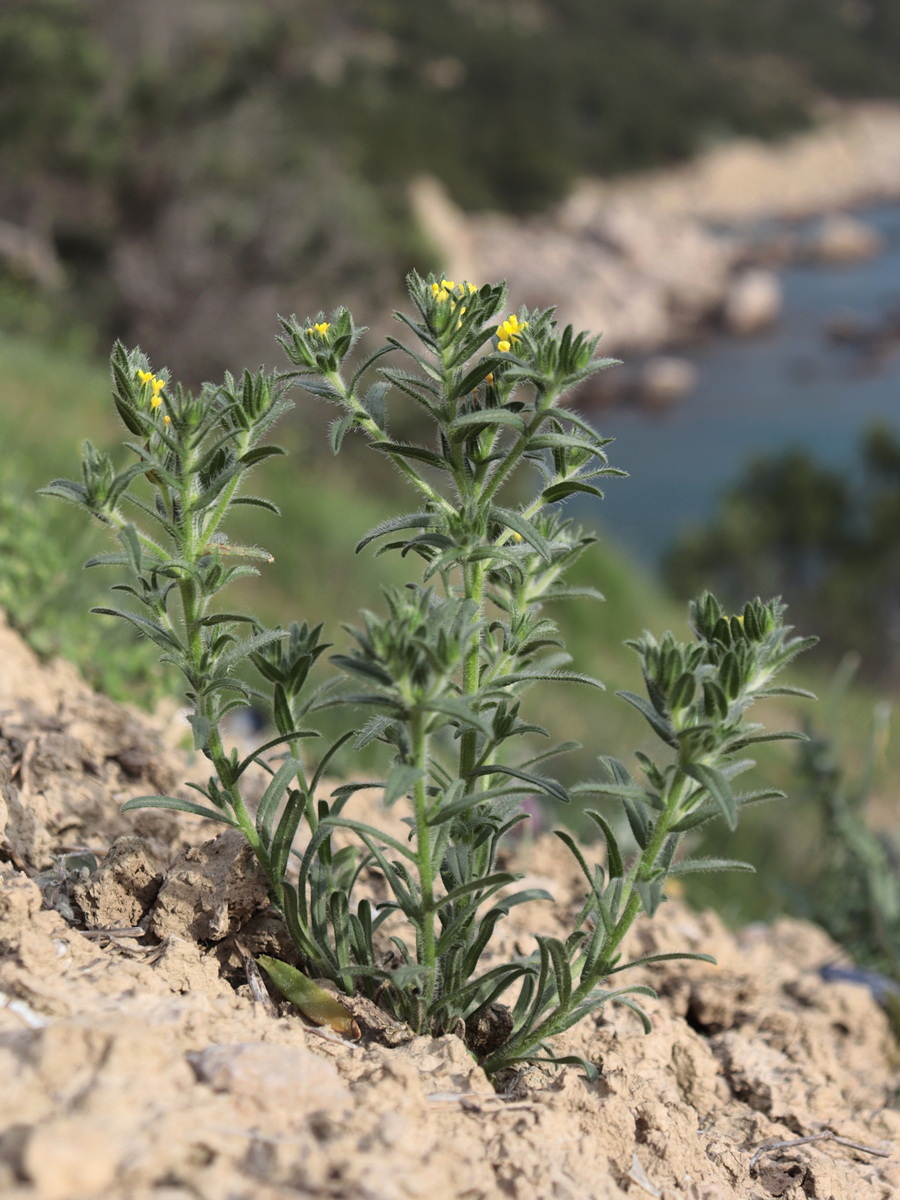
[(692, 866), (129, 539), (286, 831), (664, 729), (154, 631), (614, 864), (338, 429), (271, 798), (550, 787), (407, 521), (524, 528), (718, 787), (477, 375), (569, 487), (484, 418), (562, 972), (415, 452), (785, 690), (172, 802), (657, 958), (258, 454), (455, 706), (314, 1002), (547, 677), (257, 502), (639, 822), (400, 782)]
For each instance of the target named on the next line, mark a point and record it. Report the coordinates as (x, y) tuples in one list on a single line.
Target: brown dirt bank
[(142, 1066)]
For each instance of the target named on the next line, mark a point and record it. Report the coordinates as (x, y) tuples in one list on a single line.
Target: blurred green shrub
[(856, 892), (45, 594), (828, 540)]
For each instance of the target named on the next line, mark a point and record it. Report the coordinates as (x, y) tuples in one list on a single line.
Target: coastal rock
[(664, 379), (753, 301), (842, 238), (649, 259)]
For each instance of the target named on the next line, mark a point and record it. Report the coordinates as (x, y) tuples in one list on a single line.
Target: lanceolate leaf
[(172, 802), (525, 529), (549, 786), (693, 865), (719, 789)]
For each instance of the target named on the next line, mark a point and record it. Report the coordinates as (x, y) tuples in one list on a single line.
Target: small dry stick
[(258, 988), (825, 1136)]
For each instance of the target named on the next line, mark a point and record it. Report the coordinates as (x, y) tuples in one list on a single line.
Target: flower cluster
[(155, 386), (445, 289), (321, 328), (151, 386), (510, 332)]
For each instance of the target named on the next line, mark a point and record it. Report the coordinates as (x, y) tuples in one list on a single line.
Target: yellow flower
[(145, 376), (322, 328), (509, 332), (444, 290), (167, 420), (511, 328)]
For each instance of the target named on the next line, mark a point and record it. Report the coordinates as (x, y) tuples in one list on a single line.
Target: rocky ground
[(137, 1062)]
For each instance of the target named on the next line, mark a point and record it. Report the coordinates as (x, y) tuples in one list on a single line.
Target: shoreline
[(657, 260)]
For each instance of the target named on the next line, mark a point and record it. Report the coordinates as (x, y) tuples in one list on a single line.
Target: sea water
[(791, 387)]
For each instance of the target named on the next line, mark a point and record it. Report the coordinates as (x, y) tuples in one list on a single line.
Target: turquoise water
[(788, 388)]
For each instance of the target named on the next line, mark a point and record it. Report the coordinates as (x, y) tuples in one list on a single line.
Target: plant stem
[(419, 740), (556, 1022), (473, 584)]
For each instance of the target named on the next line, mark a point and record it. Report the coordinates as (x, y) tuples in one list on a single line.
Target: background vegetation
[(179, 170)]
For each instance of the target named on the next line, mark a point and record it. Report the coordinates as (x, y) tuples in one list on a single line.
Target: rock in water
[(753, 302)]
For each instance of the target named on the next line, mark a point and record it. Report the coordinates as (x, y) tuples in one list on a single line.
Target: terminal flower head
[(156, 386), (445, 289), (509, 332), (321, 328)]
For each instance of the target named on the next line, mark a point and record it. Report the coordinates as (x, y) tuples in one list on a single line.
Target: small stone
[(664, 379), (122, 889), (841, 238), (211, 891), (753, 301)]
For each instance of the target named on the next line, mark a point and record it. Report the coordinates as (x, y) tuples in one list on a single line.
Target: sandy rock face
[(137, 1065)]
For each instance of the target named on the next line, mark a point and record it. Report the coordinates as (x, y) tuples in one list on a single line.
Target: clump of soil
[(138, 1063)]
